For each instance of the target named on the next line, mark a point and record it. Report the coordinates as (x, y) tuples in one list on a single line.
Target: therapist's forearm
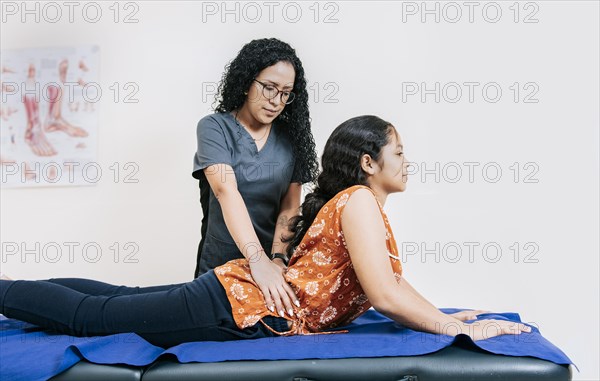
[(239, 224), (290, 207), (282, 228)]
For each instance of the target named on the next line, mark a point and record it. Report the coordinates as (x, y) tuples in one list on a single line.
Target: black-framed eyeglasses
[(270, 92)]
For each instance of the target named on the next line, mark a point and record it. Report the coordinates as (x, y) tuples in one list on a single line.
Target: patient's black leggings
[(163, 315)]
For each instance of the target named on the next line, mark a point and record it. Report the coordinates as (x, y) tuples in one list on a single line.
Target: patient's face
[(392, 176)]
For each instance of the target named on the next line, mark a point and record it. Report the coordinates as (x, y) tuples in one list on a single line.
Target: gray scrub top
[(263, 178)]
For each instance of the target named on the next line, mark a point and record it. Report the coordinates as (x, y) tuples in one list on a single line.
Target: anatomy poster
[(49, 116)]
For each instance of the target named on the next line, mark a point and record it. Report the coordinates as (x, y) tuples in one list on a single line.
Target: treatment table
[(375, 348)]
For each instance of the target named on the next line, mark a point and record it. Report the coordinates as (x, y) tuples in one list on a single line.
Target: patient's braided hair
[(355, 137)]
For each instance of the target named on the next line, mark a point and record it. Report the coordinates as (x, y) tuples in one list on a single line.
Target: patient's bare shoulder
[(362, 213)]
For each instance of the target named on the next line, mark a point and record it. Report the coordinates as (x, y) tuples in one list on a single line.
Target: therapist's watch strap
[(281, 256)]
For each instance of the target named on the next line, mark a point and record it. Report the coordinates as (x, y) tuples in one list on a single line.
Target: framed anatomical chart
[(49, 116)]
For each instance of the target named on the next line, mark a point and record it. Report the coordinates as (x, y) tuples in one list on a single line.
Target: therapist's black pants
[(163, 315)]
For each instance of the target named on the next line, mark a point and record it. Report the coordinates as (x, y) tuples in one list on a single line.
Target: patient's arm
[(410, 288), (461, 315), (364, 232)]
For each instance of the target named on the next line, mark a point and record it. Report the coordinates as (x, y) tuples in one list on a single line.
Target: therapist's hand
[(279, 295)]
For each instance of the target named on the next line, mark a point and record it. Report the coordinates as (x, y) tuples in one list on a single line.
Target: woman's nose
[(275, 100)]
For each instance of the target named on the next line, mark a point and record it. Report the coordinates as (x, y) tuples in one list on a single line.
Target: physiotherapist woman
[(254, 153)]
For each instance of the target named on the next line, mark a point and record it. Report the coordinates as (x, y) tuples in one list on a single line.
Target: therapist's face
[(276, 77)]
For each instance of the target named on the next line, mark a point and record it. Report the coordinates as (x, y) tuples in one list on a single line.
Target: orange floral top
[(320, 272)]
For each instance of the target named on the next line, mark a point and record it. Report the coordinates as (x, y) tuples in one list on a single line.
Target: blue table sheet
[(29, 353)]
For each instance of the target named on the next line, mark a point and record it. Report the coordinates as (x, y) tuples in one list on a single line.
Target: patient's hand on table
[(468, 315), (488, 328)]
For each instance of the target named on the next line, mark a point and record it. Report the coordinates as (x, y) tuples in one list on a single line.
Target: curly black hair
[(352, 139), (295, 118)]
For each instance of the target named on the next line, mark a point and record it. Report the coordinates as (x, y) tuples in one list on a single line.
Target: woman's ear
[(367, 164)]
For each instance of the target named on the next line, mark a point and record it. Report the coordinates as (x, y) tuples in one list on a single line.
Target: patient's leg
[(192, 312), (94, 287)]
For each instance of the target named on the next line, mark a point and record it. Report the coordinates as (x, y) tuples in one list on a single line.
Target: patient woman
[(344, 260)]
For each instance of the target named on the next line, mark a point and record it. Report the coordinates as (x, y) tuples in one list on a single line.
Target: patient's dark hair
[(355, 137)]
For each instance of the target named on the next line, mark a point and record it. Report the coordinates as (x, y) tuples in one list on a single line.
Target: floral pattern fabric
[(320, 272)]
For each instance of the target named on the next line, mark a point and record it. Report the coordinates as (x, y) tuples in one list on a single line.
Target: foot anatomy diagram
[(48, 121), (54, 121)]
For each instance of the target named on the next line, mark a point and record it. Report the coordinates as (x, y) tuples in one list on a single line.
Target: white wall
[(179, 48)]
